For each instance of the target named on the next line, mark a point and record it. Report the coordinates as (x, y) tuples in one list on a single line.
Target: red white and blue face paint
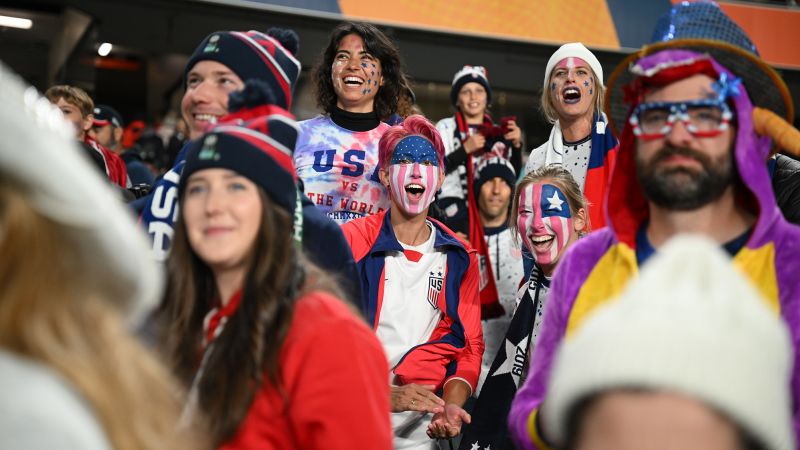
[(544, 221), (414, 174)]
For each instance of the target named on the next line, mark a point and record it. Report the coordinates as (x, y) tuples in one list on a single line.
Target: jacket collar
[(387, 242)]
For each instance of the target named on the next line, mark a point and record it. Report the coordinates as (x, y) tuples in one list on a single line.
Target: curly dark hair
[(380, 46)]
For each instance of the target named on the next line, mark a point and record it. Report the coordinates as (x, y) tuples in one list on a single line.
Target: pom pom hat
[(256, 142), (250, 55), (470, 74)]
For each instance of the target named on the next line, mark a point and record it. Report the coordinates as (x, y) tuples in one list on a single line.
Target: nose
[(571, 75), (214, 201), (496, 185), (538, 224), (679, 135), (415, 171), (199, 93)]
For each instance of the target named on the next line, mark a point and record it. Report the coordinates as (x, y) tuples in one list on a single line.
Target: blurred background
[(131, 54)]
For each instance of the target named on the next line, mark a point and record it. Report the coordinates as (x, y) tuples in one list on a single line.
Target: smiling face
[(413, 175), (356, 75), (208, 85), (546, 223), (472, 100), (222, 214), (572, 88)]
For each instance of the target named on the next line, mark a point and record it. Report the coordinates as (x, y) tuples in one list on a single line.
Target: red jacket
[(455, 348), (335, 394), (115, 167)]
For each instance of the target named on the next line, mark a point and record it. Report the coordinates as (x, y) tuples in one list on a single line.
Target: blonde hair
[(53, 312), (558, 176), (549, 109), (72, 95)]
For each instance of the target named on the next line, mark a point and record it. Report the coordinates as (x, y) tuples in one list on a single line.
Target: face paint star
[(555, 201), (586, 83)]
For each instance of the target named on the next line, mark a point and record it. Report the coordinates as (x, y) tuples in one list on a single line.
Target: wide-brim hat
[(704, 28)]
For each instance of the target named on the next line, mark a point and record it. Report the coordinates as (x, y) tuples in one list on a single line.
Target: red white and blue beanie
[(470, 74), (259, 149), (252, 55)]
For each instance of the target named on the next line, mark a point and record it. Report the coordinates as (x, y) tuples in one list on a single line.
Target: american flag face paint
[(544, 221), (414, 174)]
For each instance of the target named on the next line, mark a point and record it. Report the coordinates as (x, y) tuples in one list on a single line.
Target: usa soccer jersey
[(339, 169)]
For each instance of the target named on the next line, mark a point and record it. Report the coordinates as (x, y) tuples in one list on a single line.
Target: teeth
[(415, 186), (207, 117), (569, 91), (540, 239), (353, 80)]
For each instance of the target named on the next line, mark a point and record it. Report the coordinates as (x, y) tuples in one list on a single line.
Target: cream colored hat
[(39, 151), (690, 324)]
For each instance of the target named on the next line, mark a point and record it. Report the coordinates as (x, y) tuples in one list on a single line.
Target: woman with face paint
[(548, 214), (420, 283), (572, 100), (359, 79)]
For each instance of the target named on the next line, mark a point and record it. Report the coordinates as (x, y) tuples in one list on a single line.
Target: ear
[(118, 134), (579, 221), (383, 175), (441, 179), (87, 122)]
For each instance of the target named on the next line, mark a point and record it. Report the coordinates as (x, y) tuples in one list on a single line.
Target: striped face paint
[(571, 63), (413, 174), (544, 221)]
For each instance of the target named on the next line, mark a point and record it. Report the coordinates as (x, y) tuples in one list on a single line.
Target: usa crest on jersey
[(435, 283)]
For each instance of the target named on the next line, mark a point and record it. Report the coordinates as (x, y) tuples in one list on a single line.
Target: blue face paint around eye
[(415, 149), (554, 202)]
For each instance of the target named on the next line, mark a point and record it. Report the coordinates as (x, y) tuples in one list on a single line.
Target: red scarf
[(490, 305)]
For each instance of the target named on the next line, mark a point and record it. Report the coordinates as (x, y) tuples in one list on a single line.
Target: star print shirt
[(338, 168)]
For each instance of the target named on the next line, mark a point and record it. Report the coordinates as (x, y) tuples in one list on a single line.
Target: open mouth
[(353, 81), (415, 191), (571, 95), (542, 243)]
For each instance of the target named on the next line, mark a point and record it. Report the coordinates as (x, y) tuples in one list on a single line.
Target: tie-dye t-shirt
[(339, 169)]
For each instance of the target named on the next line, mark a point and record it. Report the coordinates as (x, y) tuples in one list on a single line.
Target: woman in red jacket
[(273, 359)]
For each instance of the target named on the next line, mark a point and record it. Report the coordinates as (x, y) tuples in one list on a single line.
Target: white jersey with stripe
[(409, 311)]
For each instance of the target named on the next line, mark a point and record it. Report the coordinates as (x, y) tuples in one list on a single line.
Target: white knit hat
[(690, 324), (39, 151), (575, 50)]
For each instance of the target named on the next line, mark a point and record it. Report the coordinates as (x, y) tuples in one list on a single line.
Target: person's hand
[(514, 134), (447, 424), (474, 143), (416, 397)]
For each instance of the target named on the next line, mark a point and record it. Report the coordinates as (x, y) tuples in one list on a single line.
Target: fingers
[(414, 397)]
